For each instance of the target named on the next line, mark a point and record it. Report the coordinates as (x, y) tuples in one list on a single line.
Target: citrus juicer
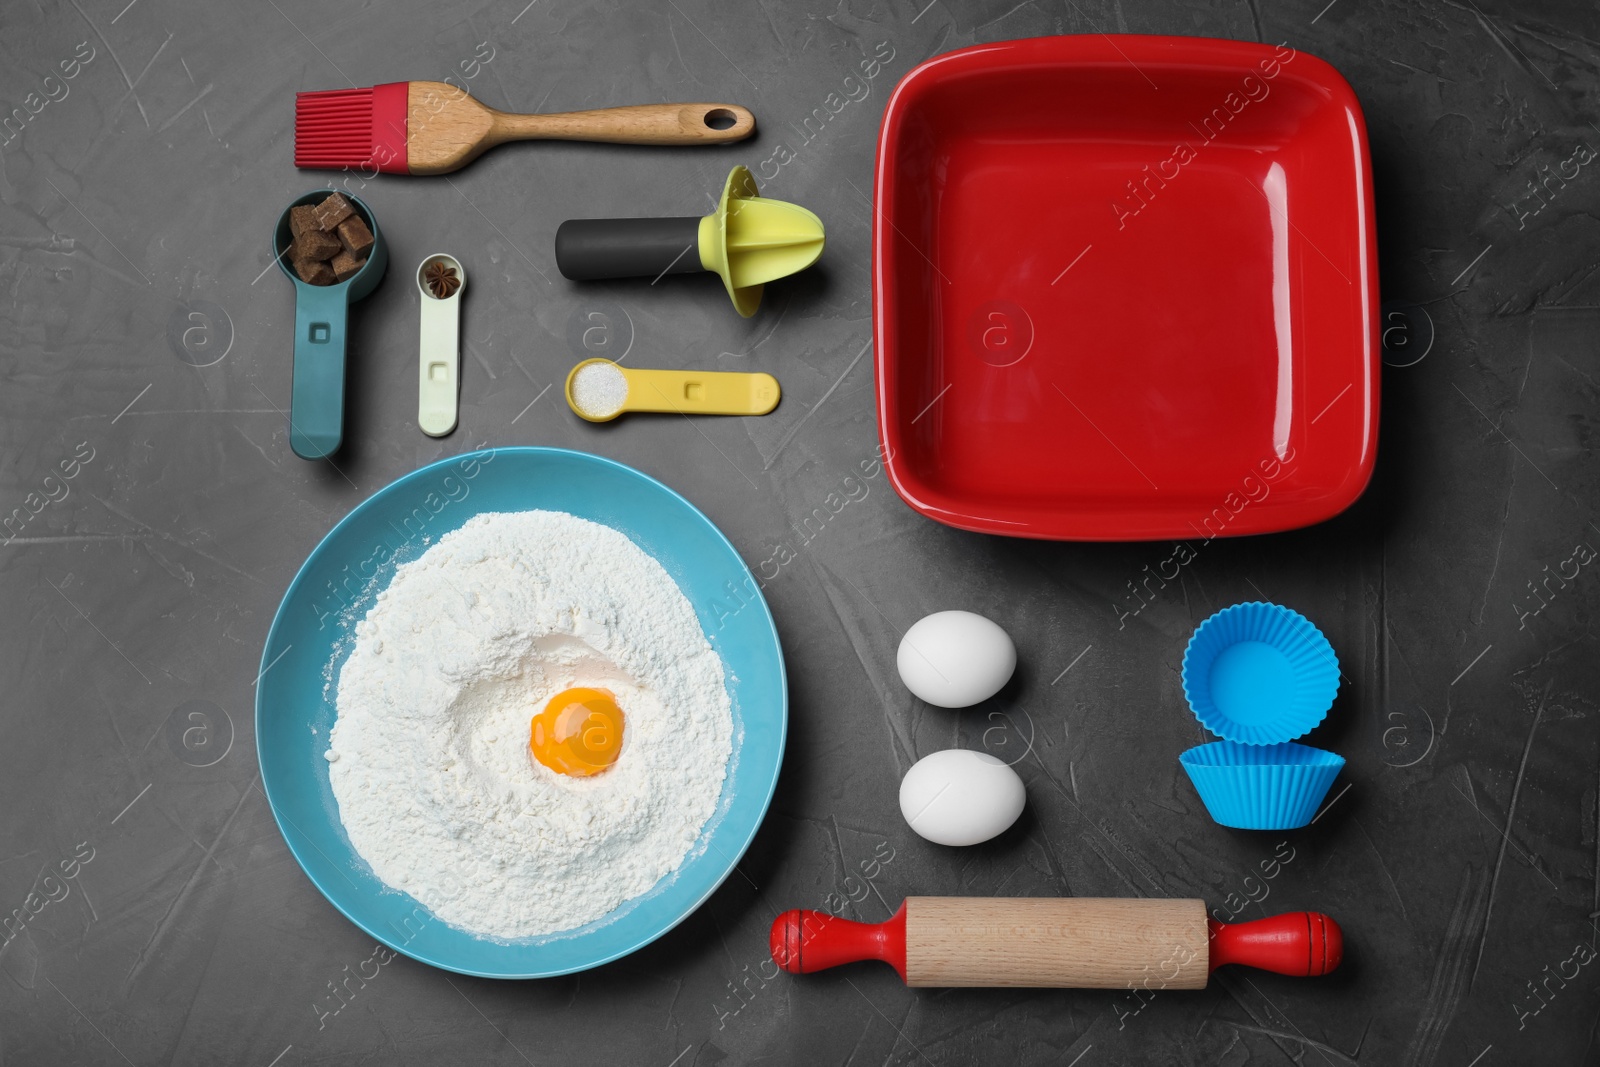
[(747, 241), (441, 280), (321, 320)]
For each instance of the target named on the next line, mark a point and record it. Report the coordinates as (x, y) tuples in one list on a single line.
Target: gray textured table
[(146, 360)]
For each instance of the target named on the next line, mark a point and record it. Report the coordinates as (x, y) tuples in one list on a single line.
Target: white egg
[(961, 797), (954, 659)]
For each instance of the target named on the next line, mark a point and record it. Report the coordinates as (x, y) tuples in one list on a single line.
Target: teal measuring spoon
[(321, 315)]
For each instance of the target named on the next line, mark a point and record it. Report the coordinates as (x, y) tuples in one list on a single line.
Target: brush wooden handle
[(664, 124), (444, 128), (1078, 943)]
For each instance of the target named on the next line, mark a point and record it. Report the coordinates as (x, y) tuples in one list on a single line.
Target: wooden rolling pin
[(1067, 942)]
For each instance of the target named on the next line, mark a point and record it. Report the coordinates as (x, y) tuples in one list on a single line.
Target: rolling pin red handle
[(806, 941), (1300, 943)]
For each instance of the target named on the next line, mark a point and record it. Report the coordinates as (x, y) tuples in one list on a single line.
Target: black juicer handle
[(587, 249)]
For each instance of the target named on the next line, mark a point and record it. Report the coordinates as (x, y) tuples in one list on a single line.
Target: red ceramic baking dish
[(1124, 288)]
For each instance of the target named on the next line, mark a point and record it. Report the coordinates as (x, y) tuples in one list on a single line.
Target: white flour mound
[(429, 755)]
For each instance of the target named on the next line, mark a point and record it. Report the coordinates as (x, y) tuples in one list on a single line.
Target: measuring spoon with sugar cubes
[(321, 321)]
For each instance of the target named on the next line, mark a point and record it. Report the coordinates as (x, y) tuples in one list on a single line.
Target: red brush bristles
[(352, 128), (333, 129)]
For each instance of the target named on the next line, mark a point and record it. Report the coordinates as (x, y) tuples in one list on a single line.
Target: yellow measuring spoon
[(600, 390)]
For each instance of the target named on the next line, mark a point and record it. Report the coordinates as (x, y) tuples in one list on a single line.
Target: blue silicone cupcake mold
[(1259, 674), (1261, 787)]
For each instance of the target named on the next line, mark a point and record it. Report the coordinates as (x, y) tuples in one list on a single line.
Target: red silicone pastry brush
[(435, 128), (1069, 942)]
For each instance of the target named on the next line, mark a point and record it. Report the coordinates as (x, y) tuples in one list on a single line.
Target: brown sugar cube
[(302, 217), (345, 265), (355, 236), (333, 211), (314, 244), (314, 272)]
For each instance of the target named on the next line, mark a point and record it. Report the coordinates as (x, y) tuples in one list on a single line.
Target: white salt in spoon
[(599, 390)]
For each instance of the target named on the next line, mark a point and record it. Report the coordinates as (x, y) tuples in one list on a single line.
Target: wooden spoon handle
[(636, 124)]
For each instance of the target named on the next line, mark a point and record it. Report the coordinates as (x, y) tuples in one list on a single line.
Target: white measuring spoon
[(441, 280)]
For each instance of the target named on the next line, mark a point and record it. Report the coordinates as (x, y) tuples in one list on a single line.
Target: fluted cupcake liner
[(1261, 787), (1259, 674)]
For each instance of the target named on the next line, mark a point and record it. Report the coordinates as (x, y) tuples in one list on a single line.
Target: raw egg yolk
[(579, 733)]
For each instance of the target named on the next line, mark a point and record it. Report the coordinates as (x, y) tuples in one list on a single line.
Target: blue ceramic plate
[(312, 634)]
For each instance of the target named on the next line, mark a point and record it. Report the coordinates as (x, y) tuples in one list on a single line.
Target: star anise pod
[(441, 280)]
